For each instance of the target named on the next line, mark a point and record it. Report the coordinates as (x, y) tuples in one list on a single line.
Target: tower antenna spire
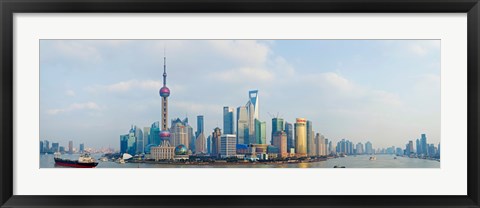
[(164, 66)]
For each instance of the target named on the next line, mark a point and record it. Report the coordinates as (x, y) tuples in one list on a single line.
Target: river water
[(360, 161)]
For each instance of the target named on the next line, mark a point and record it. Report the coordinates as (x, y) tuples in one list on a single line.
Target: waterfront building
[(418, 145), (279, 140), (289, 132), (252, 112), (260, 132), (399, 151), (209, 144), (201, 144), (200, 125), (179, 133), (42, 149), (277, 125), (369, 148), (54, 147), (47, 146), (321, 148), (410, 147), (424, 145), (301, 137), (70, 147), (216, 136), (154, 137), (123, 143), (311, 148), (359, 148), (61, 149), (146, 136), (82, 148), (163, 152), (131, 146), (140, 149), (228, 120), (228, 145), (331, 148), (242, 125)]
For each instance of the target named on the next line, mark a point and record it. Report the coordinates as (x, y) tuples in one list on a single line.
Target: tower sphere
[(164, 134), (181, 150), (164, 91)]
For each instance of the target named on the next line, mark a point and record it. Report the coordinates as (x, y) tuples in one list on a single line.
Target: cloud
[(244, 74), (249, 52), (75, 107), (422, 48), (70, 93)]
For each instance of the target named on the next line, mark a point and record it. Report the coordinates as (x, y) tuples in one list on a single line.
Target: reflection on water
[(361, 161)]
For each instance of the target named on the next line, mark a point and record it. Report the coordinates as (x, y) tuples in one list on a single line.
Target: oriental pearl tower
[(164, 93)]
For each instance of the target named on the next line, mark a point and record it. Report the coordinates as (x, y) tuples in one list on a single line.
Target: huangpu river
[(360, 161)]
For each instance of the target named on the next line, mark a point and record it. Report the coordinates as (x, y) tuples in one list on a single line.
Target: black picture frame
[(9, 7)]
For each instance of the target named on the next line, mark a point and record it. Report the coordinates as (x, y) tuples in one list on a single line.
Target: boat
[(394, 158), (103, 159), (84, 161), (373, 158)]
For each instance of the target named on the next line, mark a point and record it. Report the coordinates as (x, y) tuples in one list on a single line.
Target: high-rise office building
[(70, 147), (301, 137), (155, 134), (290, 140), (209, 144), (321, 147), (131, 145), (124, 143), (279, 140), (146, 136), (228, 145), (252, 112), (359, 148), (179, 133), (242, 125), (277, 125), (311, 148), (216, 142), (228, 120), (418, 146), (55, 147), (423, 142), (369, 148), (42, 149), (140, 149), (82, 148), (200, 125), (200, 144), (260, 132)]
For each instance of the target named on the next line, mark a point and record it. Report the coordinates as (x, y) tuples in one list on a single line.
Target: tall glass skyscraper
[(260, 131), (289, 131), (200, 125), (310, 139), (242, 125), (227, 120), (277, 125), (423, 141), (301, 137)]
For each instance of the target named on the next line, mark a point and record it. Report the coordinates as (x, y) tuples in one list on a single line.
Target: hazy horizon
[(383, 91)]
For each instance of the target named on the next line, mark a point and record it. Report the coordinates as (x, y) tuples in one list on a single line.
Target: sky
[(383, 91)]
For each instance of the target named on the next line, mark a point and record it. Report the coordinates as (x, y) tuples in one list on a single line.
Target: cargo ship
[(84, 161)]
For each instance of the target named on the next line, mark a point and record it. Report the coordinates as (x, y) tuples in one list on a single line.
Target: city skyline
[(265, 64)]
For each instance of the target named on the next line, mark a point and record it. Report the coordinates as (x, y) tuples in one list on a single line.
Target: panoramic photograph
[(240, 103)]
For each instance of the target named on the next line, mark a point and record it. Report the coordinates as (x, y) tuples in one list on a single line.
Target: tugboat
[(84, 161)]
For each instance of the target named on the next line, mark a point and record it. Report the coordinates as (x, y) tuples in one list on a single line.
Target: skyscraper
[(228, 145), (368, 148), (321, 148), (200, 144), (289, 131), (200, 125), (311, 150), (123, 143), (418, 146), (301, 137), (423, 142), (216, 142), (146, 136), (359, 148), (155, 134), (70, 147), (260, 132), (82, 148), (242, 125), (164, 94), (277, 125), (252, 112), (228, 120), (279, 140), (139, 140), (179, 133)]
